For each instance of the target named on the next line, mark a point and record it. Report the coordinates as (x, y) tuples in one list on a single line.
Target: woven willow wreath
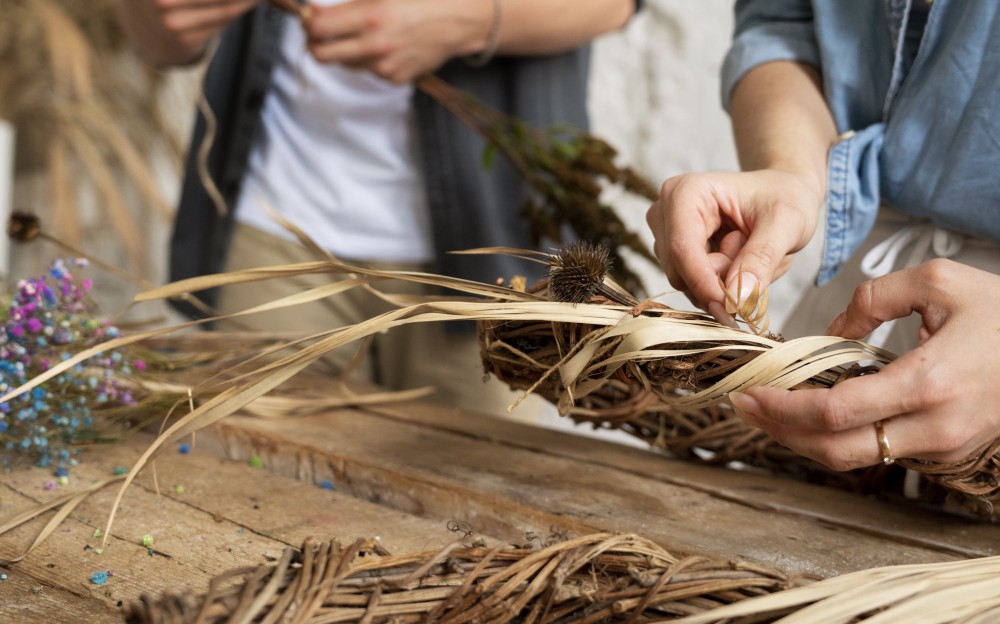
[(595, 578), (636, 376)]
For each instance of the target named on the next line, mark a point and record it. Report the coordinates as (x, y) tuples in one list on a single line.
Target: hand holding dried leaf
[(933, 401), (745, 227)]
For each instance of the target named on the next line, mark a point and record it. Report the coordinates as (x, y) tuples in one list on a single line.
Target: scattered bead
[(328, 485), (256, 462), (184, 448), (99, 578), (147, 540), (120, 470)]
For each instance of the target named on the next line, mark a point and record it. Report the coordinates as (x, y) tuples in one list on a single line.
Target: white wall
[(6, 187), (655, 96)]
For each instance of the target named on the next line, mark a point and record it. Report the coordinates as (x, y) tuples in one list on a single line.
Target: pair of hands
[(396, 39), (939, 402)]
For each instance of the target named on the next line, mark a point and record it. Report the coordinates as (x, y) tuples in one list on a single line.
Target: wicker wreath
[(595, 578), (651, 397)]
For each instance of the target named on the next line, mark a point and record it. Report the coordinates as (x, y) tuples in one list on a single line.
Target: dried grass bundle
[(85, 110), (596, 578), (599, 361)]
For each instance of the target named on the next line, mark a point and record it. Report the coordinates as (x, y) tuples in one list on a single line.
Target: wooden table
[(402, 471)]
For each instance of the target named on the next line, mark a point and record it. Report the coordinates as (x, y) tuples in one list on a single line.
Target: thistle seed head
[(578, 271)]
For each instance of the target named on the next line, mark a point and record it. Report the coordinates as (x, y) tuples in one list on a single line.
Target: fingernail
[(719, 313), (744, 403), (746, 282)]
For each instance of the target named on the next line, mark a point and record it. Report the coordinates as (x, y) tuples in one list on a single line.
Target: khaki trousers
[(411, 356)]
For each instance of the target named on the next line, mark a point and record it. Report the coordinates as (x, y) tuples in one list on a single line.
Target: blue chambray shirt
[(922, 136)]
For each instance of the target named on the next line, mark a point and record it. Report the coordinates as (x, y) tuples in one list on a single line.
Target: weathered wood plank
[(897, 521), (25, 599), (286, 510), (228, 515), (509, 489)]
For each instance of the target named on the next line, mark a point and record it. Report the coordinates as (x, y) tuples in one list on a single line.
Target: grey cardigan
[(470, 206)]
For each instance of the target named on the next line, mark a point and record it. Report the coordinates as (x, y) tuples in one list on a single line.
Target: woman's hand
[(939, 402), (397, 39), (401, 39), (708, 225)]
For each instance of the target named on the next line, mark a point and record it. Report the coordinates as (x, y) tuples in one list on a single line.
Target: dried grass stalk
[(596, 578), (82, 104), (661, 373)]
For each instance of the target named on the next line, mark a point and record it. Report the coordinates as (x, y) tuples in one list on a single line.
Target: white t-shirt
[(336, 157)]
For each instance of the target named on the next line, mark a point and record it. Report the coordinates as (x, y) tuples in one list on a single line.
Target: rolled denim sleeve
[(768, 30)]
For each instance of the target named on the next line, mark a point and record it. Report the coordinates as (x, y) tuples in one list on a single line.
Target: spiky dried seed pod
[(578, 271)]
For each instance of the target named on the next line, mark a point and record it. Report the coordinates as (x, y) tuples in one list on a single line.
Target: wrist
[(486, 42), (810, 179)]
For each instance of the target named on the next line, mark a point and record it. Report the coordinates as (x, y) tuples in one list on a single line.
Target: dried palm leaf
[(620, 345), (955, 592), (579, 351)]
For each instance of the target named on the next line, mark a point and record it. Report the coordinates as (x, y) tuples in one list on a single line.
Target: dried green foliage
[(567, 169)]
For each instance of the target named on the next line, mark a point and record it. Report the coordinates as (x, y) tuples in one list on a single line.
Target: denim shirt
[(918, 132)]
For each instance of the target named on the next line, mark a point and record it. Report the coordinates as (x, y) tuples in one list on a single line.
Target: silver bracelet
[(491, 40)]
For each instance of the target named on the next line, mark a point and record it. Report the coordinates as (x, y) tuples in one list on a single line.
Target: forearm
[(548, 26), (781, 121)]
